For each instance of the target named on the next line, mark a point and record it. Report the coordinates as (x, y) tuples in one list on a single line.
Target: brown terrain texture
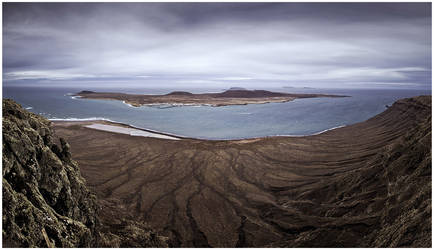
[(229, 97), (46, 202), (364, 185)]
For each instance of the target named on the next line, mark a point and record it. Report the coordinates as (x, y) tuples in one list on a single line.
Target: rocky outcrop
[(45, 199)]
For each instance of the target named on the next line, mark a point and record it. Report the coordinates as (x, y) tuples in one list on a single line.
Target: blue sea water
[(299, 117)]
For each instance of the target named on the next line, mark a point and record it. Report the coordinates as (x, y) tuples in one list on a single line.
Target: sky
[(252, 45)]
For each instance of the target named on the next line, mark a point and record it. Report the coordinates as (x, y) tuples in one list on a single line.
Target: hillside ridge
[(363, 185)]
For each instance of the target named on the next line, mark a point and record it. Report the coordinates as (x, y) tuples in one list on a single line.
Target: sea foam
[(73, 119)]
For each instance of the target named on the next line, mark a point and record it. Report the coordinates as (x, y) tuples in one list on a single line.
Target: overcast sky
[(218, 44)]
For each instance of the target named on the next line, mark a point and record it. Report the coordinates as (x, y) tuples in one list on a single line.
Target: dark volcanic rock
[(45, 200), (237, 88), (86, 92), (180, 93), (248, 94)]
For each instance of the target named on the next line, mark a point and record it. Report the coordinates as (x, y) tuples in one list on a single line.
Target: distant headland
[(233, 96)]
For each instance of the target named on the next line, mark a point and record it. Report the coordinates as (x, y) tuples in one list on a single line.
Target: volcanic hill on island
[(235, 96), (364, 185)]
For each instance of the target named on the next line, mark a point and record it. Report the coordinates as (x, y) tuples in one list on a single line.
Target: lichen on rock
[(45, 200)]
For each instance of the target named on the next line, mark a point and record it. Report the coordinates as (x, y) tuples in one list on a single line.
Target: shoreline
[(186, 104), (317, 133), (182, 98), (101, 120), (98, 120), (163, 105), (127, 131), (296, 182)]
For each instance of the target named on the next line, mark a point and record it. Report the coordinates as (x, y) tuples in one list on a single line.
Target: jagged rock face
[(45, 199)]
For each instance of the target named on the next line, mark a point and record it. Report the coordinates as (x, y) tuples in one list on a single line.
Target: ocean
[(297, 118)]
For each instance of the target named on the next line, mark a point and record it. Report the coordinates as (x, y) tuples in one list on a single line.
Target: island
[(183, 98)]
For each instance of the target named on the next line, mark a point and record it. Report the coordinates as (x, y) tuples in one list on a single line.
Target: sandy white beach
[(128, 131)]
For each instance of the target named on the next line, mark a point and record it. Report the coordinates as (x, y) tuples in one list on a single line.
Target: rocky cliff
[(45, 199)]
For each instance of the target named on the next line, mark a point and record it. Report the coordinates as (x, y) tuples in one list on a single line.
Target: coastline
[(297, 182), (100, 120), (192, 104), (317, 133), (181, 104), (182, 98), (128, 131)]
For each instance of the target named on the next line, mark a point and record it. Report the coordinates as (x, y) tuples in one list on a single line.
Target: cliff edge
[(45, 199)]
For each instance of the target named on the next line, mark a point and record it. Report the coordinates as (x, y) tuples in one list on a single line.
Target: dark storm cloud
[(219, 44)]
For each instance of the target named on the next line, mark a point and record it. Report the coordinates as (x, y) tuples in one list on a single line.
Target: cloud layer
[(218, 44)]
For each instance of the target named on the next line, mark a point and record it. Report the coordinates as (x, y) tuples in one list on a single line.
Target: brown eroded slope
[(229, 97), (367, 184)]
